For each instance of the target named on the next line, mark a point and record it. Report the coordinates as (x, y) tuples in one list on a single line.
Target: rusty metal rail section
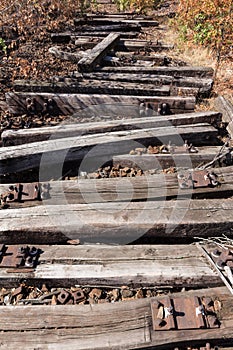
[(197, 179), (183, 313), (19, 257), (25, 192)]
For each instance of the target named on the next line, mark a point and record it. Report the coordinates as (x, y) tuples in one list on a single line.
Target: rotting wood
[(124, 44), (97, 33), (116, 27), (225, 107), (87, 87), (66, 37), (89, 104), (150, 187), (117, 223), (77, 85), (98, 21), (95, 56), (188, 71), (97, 148), (164, 161), (76, 56), (66, 55), (135, 266), (21, 136), (159, 59), (106, 326), (204, 84)]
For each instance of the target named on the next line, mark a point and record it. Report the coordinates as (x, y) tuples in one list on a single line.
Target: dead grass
[(200, 56)]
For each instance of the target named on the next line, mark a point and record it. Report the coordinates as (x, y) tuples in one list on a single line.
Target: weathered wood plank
[(98, 147), (66, 37), (117, 223), (102, 265), (225, 107), (68, 104), (21, 136), (105, 326), (158, 186), (204, 84), (112, 27), (100, 21), (188, 71), (150, 161), (124, 44), (87, 87), (95, 56)]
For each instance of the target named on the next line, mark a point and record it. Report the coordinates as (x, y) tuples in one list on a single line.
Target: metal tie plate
[(182, 313)]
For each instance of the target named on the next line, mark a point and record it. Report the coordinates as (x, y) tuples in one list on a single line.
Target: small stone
[(114, 294), (44, 289), (7, 300), (32, 295), (19, 297), (92, 301), (17, 291), (126, 293), (73, 241), (54, 300), (148, 293), (95, 293), (217, 305), (139, 294)]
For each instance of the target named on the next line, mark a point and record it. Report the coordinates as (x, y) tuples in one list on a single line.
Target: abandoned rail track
[(114, 153)]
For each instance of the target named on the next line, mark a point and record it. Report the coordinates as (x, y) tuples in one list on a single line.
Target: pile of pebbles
[(32, 295)]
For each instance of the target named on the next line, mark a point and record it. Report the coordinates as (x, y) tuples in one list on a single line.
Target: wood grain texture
[(225, 107), (172, 77), (99, 21), (188, 71), (106, 326), (102, 265), (97, 148), (124, 44), (21, 136), (120, 222), (164, 161), (152, 187), (87, 87), (95, 56), (68, 104)]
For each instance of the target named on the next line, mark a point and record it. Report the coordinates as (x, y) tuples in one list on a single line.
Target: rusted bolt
[(208, 302), (159, 323), (220, 264), (29, 262), (216, 253), (212, 320), (33, 251)]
